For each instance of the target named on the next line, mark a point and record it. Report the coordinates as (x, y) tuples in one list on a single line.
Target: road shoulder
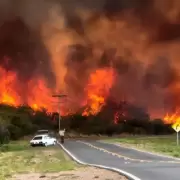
[(87, 173)]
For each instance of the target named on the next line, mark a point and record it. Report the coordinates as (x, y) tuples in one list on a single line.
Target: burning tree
[(93, 51)]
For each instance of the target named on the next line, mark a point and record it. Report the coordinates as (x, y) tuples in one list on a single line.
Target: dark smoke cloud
[(169, 32), (94, 46), (112, 7), (21, 47), (143, 86), (77, 75), (160, 73)]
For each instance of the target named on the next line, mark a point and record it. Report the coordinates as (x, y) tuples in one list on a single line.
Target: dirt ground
[(87, 173)]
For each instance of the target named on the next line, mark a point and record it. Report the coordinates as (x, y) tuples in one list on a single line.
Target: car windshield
[(37, 138)]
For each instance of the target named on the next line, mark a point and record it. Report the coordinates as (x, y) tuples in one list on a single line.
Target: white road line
[(126, 157), (113, 153), (122, 172), (143, 151)]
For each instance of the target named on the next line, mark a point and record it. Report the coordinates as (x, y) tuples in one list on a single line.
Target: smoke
[(65, 41), (21, 47)]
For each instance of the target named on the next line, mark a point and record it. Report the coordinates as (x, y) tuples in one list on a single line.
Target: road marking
[(143, 151), (125, 157), (112, 153), (122, 172)]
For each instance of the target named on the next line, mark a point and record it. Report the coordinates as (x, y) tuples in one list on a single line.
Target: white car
[(43, 140)]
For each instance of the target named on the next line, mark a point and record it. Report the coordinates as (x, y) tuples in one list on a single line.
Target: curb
[(121, 172)]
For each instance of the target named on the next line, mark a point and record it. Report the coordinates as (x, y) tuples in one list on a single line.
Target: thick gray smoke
[(130, 36), (21, 47)]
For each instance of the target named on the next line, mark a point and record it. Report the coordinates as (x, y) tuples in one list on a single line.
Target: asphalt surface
[(140, 164)]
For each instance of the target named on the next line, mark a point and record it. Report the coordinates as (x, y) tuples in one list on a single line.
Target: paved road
[(142, 165)]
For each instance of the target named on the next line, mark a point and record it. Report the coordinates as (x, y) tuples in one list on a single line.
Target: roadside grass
[(15, 146), (160, 144), (19, 157)]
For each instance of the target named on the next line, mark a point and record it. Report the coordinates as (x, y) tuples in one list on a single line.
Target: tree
[(158, 127), (4, 133)]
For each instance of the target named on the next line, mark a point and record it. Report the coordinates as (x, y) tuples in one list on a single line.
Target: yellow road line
[(121, 156)]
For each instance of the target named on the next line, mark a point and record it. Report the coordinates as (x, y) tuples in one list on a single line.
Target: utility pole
[(59, 96)]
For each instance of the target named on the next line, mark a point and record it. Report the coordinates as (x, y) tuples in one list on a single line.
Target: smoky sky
[(22, 51), (143, 86), (160, 73), (22, 48)]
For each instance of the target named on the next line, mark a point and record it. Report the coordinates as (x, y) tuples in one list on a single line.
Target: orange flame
[(8, 94), (171, 119), (138, 39), (38, 95), (98, 88)]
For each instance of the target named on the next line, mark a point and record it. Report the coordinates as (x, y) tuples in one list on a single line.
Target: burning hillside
[(92, 51)]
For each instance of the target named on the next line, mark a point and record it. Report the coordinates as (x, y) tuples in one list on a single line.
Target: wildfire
[(98, 88), (116, 118), (38, 96), (8, 93), (35, 107), (35, 93), (171, 119), (143, 51)]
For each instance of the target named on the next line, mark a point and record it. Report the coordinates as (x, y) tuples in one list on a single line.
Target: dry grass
[(160, 144), (32, 160), (19, 161)]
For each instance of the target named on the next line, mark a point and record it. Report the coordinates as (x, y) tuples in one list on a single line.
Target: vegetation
[(117, 119), (17, 122), (18, 157), (105, 125), (161, 144)]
